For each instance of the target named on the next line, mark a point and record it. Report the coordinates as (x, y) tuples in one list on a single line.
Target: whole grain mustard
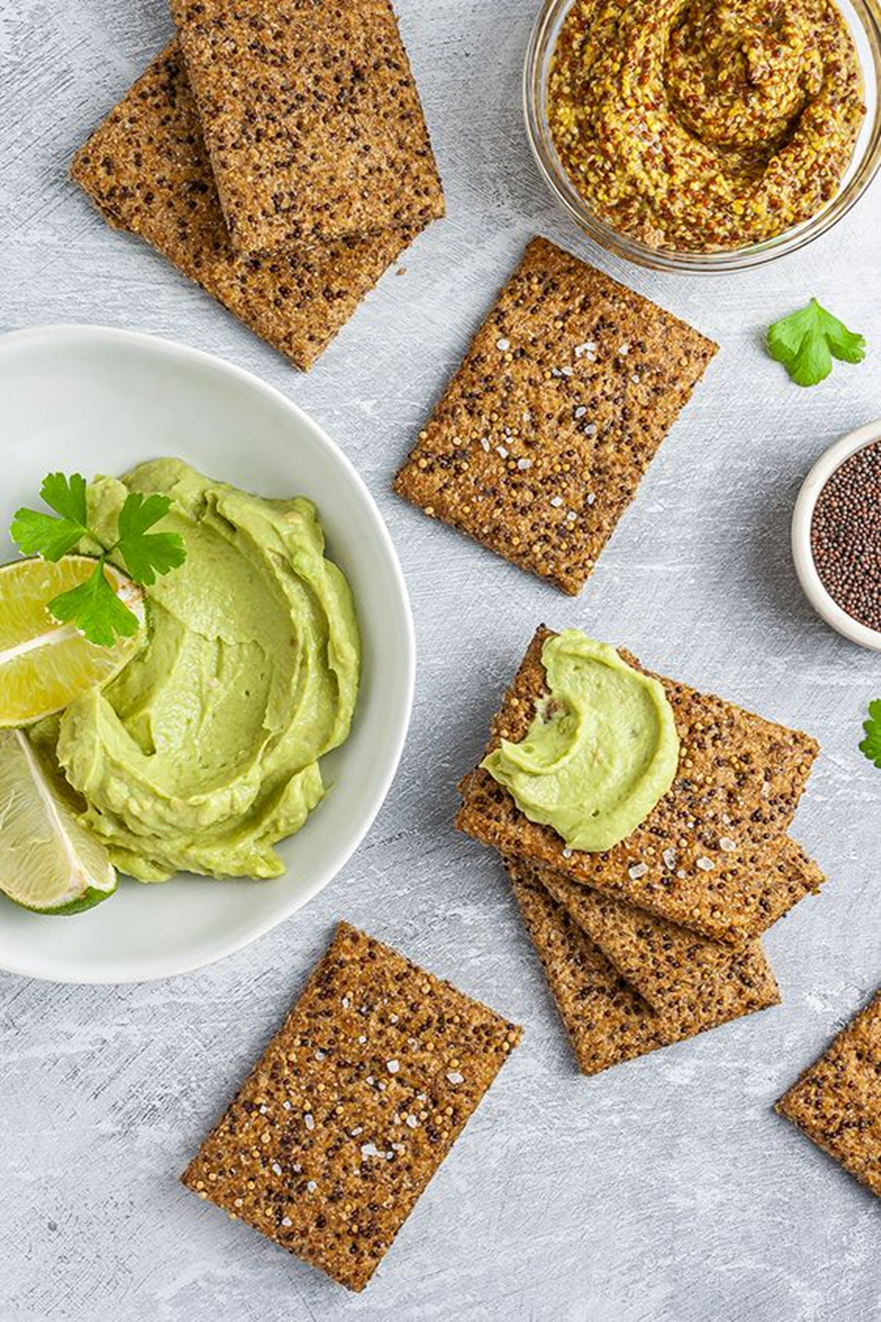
[(701, 125)]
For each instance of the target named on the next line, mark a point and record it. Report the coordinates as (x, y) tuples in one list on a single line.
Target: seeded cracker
[(311, 119), (352, 1108), (607, 1021), (708, 856), (837, 1101), (146, 170), (690, 980), (540, 442)]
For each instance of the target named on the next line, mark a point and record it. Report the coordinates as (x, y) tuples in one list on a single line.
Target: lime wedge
[(44, 665), (48, 862)]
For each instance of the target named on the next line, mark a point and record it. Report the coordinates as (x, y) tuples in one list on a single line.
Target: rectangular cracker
[(311, 119), (352, 1107), (685, 977), (740, 778), (607, 1021), (837, 1100), (146, 170), (544, 433)]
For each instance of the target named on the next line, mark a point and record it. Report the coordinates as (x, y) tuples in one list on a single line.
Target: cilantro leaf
[(66, 496), (93, 606), (95, 609), (36, 533), (871, 745), (806, 341), (147, 554)]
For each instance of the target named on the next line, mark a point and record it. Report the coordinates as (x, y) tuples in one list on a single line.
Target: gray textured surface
[(666, 1189)]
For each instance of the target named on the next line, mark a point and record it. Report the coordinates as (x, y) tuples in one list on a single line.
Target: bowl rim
[(802, 517), (60, 332), (551, 13)]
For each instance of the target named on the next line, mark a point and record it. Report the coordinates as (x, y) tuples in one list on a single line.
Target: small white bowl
[(91, 400), (802, 517)]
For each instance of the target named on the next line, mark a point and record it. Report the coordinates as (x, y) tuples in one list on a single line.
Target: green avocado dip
[(600, 752), (204, 752)]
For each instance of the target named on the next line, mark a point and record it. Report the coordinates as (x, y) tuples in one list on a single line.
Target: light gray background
[(667, 1188)]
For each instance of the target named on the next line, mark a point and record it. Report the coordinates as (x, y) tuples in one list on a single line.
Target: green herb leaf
[(147, 554), (36, 533), (806, 342), (95, 609), (66, 496), (871, 745)]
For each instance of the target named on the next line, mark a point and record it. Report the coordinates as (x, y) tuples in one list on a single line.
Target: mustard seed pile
[(846, 536)]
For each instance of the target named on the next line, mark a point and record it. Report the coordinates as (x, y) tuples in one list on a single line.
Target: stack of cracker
[(276, 153), (540, 442), (658, 938)]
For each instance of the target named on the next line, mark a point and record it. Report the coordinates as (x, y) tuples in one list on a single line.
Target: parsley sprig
[(93, 606), (806, 341), (871, 745)]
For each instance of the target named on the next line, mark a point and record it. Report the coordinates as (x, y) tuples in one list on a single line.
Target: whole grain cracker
[(837, 1100), (540, 442), (708, 856), (607, 1021), (690, 980), (146, 170), (311, 119), (352, 1107)]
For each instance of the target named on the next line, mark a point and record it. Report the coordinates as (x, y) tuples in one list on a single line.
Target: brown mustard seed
[(846, 536)]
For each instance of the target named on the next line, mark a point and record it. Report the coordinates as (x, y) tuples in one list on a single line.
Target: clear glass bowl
[(864, 19)]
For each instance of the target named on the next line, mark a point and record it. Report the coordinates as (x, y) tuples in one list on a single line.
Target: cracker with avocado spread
[(352, 1107), (607, 1020), (544, 433), (686, 977), (709, 855), (837, 1101), (146, 170), (311, 119)]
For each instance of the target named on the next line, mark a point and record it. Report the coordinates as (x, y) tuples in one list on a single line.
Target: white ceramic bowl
[(802, 517), (89, 399)]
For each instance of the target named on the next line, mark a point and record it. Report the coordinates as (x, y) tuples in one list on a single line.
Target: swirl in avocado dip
[(205, 751)]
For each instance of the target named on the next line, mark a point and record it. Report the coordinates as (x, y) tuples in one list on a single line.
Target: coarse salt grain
[(727, 844), (669, 857), (454, 1077), (411, 1121), (308, 1121), (503, 345), (556, 501), (523, 464), (705, 864), (638, 870), (393, 1066)]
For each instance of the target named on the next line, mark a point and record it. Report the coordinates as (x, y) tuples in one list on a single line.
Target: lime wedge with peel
[(48, 862), (44, 665)]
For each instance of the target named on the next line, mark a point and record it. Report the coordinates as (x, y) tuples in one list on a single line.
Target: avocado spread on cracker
[(204, 752), (600, 752)]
